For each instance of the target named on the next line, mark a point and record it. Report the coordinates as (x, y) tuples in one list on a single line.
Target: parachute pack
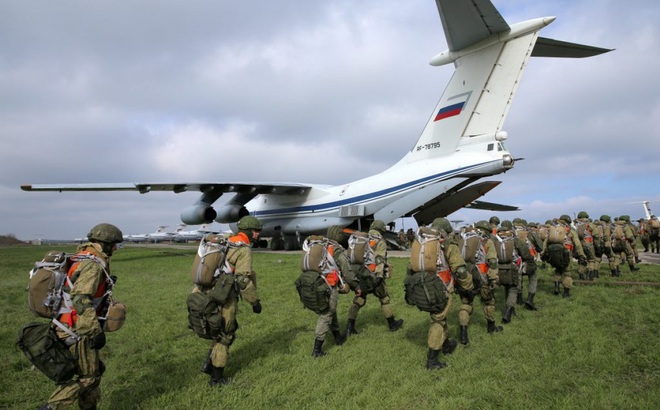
[(203, 316), (210, 261), (506, 252), (47, 352), (426, 252), (557, 234), (360, 248), (470, 245), (583, 231), (319, 274)]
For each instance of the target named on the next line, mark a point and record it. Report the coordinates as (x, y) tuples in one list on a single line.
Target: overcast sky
[(292, 91)]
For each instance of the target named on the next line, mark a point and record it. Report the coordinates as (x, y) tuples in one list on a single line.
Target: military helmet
[(605, 218), (378, 225), (494, 220), (107, 233), (583, 214), (248, 223), (517, 221), (625, 218), (507, 224), (483, 225), (566, 219), (335, 233), (442, 223), (533, 225), (548, 222)]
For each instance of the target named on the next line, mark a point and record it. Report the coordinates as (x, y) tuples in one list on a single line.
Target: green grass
[(598, 349)]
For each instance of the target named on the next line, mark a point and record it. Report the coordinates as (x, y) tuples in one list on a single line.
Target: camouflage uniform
[(621, 247), (92, 284), (654, 234), (571, 245), (589, 268), (529, 237), (327, 320), (381, 272), (643, 229), (487, 285), (607, 245)]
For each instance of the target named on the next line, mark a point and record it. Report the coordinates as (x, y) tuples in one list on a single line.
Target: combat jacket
[(240, 260)]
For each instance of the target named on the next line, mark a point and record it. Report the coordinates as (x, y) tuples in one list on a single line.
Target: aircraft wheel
[(276, 244), (291, 243)]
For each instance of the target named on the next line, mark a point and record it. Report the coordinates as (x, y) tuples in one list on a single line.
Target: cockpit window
[(490, 147), (499, 147)]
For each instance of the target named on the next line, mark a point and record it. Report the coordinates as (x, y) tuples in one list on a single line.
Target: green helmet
[(442, 223), (583, 214), (625, 218), (566, 219), (248, 223), (335, 233), (517, 221), (494, 220), (483, 225), (533, 225), (548, 222), (377, 225), (605, 218), (107, 233), (507, 224)]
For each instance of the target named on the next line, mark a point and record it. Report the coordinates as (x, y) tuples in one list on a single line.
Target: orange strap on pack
[(332, 278), (483, 268), (446, 276), (568, 246)]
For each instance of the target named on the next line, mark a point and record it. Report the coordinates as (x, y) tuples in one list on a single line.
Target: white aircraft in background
[(463, 142), (193, 235), (161, 235), (647, 210)]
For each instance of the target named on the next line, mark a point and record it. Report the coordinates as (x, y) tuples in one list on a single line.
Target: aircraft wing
[(204, 187), (471, 21), (547, 47), (490, 206), (450, 202)]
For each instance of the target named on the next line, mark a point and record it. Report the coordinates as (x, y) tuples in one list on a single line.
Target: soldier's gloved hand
[(98, 341), (358, 292), (256, 308), (113, 278)]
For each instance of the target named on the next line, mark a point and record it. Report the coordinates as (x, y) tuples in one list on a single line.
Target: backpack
[(583, 230), (557, 256), (426, 291), (203, 316), (654, 222), (470, 245), (618, 233), (49, 286), (557, 234), (425, 252), (314, 291), (506, 253), (316, 256), (521, 233), (47, 352), (360, 251), (210, 260)]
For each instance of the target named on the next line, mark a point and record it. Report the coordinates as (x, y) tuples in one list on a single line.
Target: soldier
[(584, 227), (481, 261), (376, 269), (562, 241), (340, 281), (654, 234), (239, 258), (91, 284), (622, 238), (612, 259), (494, 222), (643, 229), (450, 266), (513, 257), (529, 238)]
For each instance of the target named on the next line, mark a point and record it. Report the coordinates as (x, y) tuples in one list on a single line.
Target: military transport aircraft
[(463, 142)]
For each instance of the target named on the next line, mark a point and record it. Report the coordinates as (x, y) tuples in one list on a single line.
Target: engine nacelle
[(230, 213), (198, 214)]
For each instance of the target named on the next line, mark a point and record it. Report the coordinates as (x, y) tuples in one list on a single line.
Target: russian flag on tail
[(453, 110)]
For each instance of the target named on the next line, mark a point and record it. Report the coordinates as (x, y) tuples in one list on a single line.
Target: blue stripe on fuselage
[(369, 196)]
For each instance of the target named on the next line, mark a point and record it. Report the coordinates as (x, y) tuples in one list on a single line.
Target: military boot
[(217, 377), (519, 298), (449, 346), (45, 406), (581, 276), (318, 351), (339, 338), (207, 367), (492, 328), (596, 273), (618, 272), (613, 272), (567, 293), (464, 336), (432, 360), (556, 289), (510, 310), (394, 324), (529, 304), (350, 329), (633, 268)]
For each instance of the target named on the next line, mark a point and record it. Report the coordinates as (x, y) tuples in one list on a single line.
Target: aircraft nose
[(508, 161)]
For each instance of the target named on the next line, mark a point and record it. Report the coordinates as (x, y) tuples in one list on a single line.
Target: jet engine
[(198, 214), (230, 213)]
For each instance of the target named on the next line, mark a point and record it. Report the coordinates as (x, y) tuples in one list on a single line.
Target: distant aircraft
[(647, 210), (193, 235), (462, 142), (161, 235)]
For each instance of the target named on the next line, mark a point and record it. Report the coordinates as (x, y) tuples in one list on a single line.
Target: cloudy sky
[(320, 92)]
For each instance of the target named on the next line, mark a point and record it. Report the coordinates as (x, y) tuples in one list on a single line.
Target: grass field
[(599, 349)]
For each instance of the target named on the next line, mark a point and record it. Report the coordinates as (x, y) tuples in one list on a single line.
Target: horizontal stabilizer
[(547, 47), (490, 206), (448, 203)]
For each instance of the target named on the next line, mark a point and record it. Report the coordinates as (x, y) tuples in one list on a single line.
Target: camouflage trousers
[(438, 328), (220, 347), (327, 320), (487, 296), (592, 263), (86, 386), (383, 296)]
